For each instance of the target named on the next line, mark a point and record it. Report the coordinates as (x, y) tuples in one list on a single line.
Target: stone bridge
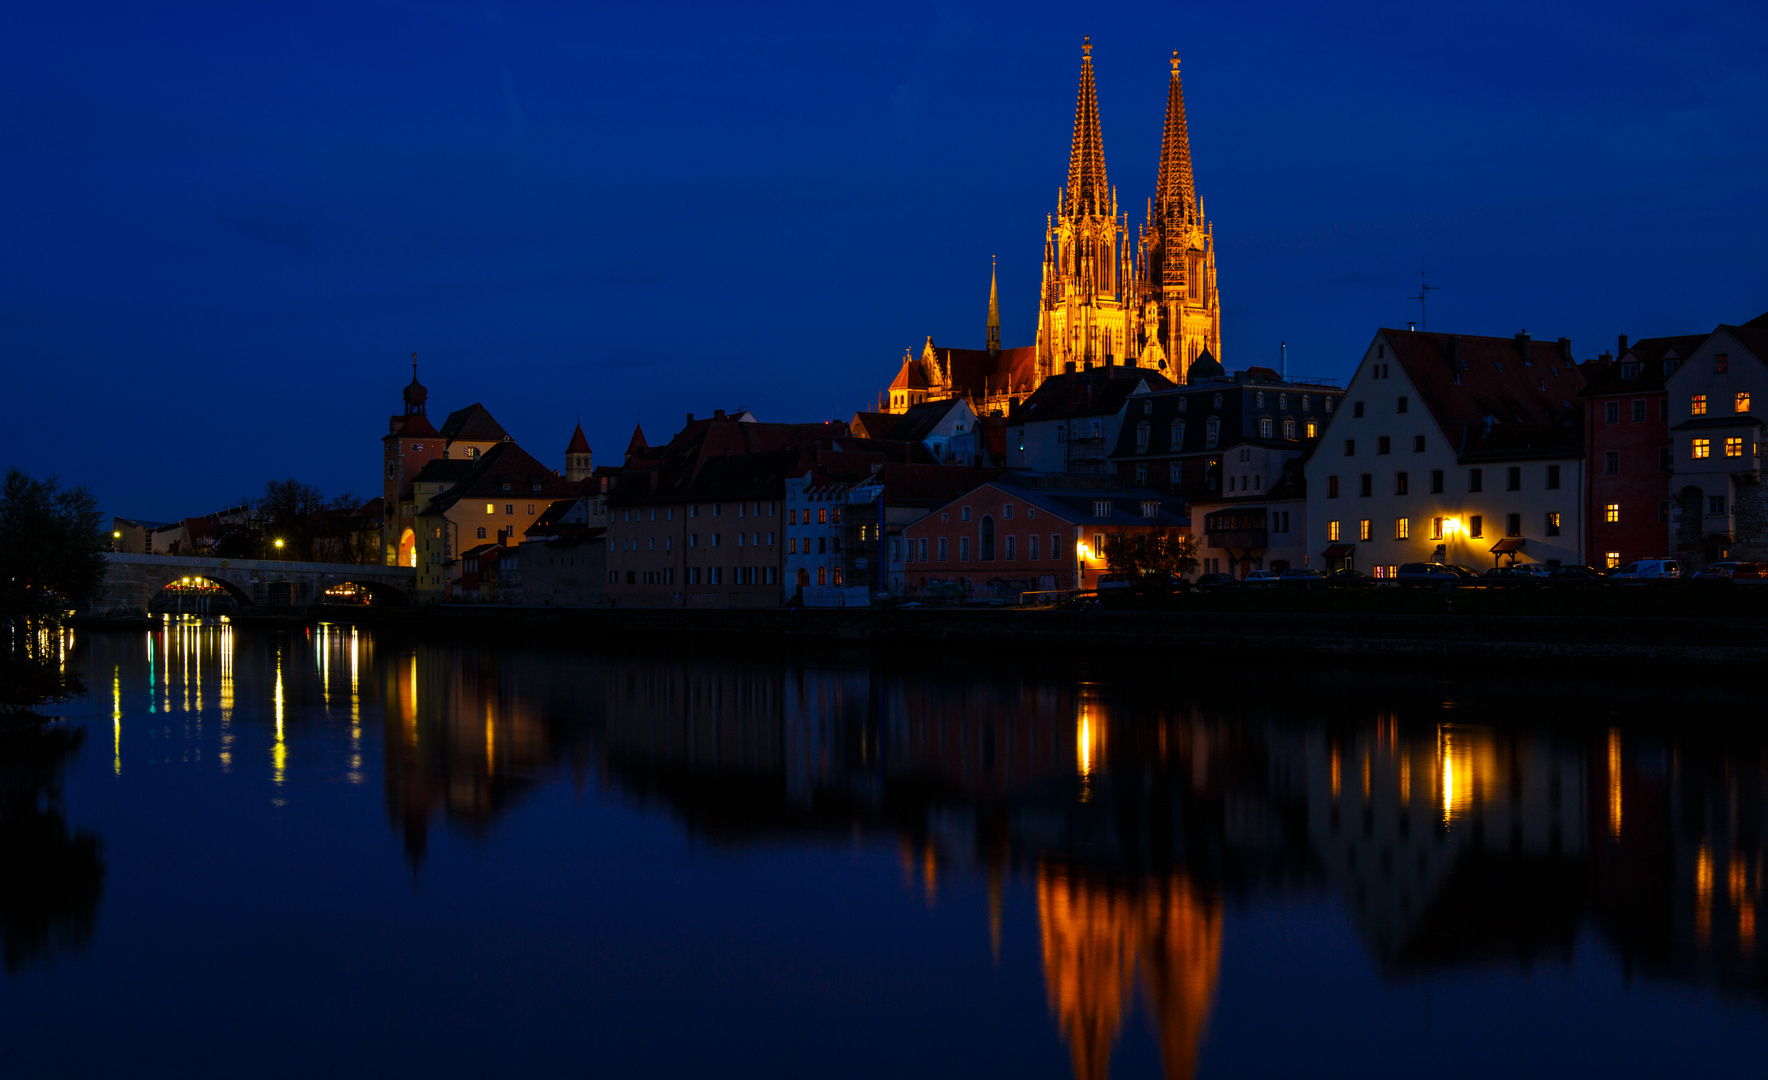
[(131, 581)]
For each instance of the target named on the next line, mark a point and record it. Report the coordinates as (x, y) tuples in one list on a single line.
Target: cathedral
[(1109, 295)]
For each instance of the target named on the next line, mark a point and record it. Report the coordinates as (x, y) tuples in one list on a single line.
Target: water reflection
[(51, 876), (1458, 823)]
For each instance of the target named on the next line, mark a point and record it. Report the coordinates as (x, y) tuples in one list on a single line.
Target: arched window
[(988, 539), (803, 577), (481, 532), (835, 578), (822, 575)]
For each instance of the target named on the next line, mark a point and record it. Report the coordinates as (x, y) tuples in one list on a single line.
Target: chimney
[(1565, 349), (1412, 326), (1283, 359), (1522, 343), (1068, 368), (1621, 345), (718, 414), (690, 418)]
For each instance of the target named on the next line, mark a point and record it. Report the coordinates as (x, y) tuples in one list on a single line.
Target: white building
[(1071, 423), (1717, 398), (1455, 448), (1258, 521)]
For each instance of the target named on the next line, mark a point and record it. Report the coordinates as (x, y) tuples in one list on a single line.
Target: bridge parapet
[(130, 581)]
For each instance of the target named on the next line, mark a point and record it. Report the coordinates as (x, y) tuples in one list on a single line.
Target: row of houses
[(1468, 449)]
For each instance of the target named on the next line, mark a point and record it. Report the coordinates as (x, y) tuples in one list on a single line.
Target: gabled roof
[(578, 444), (413, 426), (473, 424), (637, 444), (504, 464), (872, 425), (1753, 337), (918, 422), (1100, 391), (444, 471), (552, 517), (909, 377), (1649, 354), (671, 472), (1464, 379), (1760, 322)]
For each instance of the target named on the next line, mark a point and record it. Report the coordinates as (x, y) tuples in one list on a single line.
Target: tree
[(1158, 553), (51, 547), (287, 512)]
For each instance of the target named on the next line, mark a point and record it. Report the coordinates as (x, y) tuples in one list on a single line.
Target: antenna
[(1425, 288)]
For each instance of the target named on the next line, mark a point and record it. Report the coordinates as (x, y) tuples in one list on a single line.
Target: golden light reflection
[(117, 718), (1703, 893), (1467, 765), (278, 753), (1614, 782), (1405, 778), (1089, 740), (1336, 772), (490, 741)]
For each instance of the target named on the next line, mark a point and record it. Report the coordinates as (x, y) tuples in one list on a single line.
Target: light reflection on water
[(1132, 815)]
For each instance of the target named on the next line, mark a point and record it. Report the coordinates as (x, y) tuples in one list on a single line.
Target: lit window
[(1743, 401), (1332, 532), (1612, 513), (1697, 406), (1552, 524), (1402, 528), (1365, 529), (1703, 448), (1734, 447), (1611, 559), (489, 509), (1436, 528), (1313, 429)]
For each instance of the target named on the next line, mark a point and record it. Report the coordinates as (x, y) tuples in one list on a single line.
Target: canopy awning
[(1338, 551), (1508, 546)]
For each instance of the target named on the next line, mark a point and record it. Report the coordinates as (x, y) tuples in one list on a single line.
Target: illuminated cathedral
[(1110, 295)]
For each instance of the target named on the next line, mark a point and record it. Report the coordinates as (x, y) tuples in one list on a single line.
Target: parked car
[(1512, 576), (1576, 576), (1303, 577), (1349, 579), (1731, 570), (1649, 570), (1213, 582), (1538, 571), (1434, 573), (1264, 578)]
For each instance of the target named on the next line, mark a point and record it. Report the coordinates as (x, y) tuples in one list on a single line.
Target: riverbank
[(1275, 637)]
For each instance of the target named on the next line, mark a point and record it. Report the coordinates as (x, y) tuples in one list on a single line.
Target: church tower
[(1088, 311), (579, 462), (1181, 316)]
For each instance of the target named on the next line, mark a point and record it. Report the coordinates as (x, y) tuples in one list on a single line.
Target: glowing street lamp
[(1451, 526)]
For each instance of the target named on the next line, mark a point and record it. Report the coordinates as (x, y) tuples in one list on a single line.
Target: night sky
[(230, 224)]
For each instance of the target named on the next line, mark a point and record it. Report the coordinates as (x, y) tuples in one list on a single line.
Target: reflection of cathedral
[(1108, 296), (1099, 935)]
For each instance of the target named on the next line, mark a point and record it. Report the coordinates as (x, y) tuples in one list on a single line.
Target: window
[(1212, 431), (1715, 504), (1639, 410), (1055, 546), (1101, 507), (921, 554), (1332, 487), (490, 509), (1031, 547), (1007, 511), (1611, 413), (1174, 472), (1288, 427), (1733, 447), (1436, 528), (1721, 364), (1264, 427), (1332, 532), (530, 508), (1218, 401), (1384, 445), (1436, 481), (1476, 526), (1258, 400), (1401, 407), (1475, 480), (1183, 402), (1368, 484), (1099, 546), (1350, 448), (1611, 462), (1612, 513), (1150, 508), (481, 532), (986, 542), (1514, 478), (1401, 483), (1697, 405), (1743, 401), (1402, 528), (791, 545), (614, 577), (1513, 525), (694, 510), (942, 549), (1552, 523), (509, 509), (1701, 448), (717, 539), (1365, 529), (791, 517), (963, 513), (1418, 444), (1142, 432), (1356, 410), (693, 539), (1011, 553), (1178, 434)]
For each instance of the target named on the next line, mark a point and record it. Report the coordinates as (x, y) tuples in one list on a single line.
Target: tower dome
[(415, 393)]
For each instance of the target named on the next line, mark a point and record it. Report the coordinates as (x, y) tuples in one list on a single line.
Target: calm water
[(326, 853)]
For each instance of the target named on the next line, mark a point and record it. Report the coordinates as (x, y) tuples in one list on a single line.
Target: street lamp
[(1451, 526)]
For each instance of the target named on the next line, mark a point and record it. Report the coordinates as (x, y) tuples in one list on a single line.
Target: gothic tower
[(1088, 310), (1181, 313)]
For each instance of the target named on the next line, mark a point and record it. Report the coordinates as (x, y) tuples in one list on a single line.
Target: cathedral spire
[(994, 311), (1174, 188), (1088, 192)]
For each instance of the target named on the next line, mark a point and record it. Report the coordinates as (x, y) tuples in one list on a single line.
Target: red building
[(1023, 533), (1627, 446)]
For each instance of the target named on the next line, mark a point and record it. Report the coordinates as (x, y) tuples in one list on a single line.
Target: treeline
[(291, 520), (51, 562)]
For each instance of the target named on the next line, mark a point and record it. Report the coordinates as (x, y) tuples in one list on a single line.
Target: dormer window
[(1218, 401), (1183, 402), (1147, 407), (1629, 372), (506, 486), (1283, 401), (1150, 508), (1258, 400), (1101, 507)]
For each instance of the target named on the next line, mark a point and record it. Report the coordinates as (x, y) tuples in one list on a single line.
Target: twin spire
[(1175, 189), (1088, 190)]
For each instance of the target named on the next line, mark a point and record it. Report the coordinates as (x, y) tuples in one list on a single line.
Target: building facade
[(1072, 423), (1452, 448), (1718, 509)]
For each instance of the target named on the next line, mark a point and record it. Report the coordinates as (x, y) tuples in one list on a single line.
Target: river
[(324, 852)]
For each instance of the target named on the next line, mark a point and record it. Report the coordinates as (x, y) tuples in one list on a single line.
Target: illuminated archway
[(407, 548), (197, 595)]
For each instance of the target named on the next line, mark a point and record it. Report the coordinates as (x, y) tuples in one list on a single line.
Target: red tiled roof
[(1650, 354), (473, 424), (506, 463), (415, 426), (910, 377), (872, 425), (1463, 379), (578, 444)]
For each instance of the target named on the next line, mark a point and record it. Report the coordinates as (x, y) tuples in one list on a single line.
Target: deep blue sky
[(229, 224)]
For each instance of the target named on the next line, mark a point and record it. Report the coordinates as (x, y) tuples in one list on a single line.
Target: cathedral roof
[(578, 444), (910, 377), (1174, 187), (473, 424)]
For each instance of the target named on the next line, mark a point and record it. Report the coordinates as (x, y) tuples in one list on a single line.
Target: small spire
[(994, 310)]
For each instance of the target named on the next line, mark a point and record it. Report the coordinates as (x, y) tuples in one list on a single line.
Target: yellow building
[(1108, 297)]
